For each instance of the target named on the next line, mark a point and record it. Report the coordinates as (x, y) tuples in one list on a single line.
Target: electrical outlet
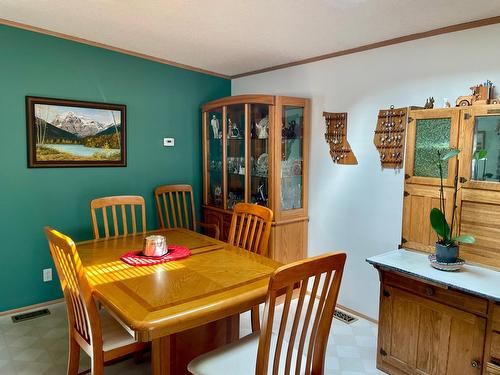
[(47, 275), (169, 142)]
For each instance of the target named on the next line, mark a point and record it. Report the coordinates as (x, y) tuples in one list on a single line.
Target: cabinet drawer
[(450, 297), (492, 369), (495, 345)]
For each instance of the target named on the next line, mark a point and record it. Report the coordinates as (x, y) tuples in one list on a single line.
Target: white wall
[(359, 208)]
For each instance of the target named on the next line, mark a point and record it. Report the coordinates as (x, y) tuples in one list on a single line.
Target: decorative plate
[(450, 267)]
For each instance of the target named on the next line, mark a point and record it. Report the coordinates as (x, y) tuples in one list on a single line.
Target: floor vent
[(345, 317), (30, 315)]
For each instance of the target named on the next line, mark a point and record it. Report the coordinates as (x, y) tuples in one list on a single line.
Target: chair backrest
[(310, 324), (83, 316), (120, 227), (250, 227), (175, 206)]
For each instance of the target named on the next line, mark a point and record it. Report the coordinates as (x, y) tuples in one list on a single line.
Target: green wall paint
[(161, 101)]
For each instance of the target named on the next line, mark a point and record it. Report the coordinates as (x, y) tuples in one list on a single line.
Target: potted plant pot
[(446, 254)]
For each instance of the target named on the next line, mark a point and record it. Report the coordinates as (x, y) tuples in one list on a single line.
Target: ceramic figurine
[(481, 94), (429, 103), (289, 130), (215, 127), (232, 129), (217, 194), (261, 198), (446, 103), (262, 128)]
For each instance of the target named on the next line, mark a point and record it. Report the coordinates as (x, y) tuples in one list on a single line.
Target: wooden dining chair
[(250, 229), (301, 348), (123, 214), (175, 207), (101, 336)]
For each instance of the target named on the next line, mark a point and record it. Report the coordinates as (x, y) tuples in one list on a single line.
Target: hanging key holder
[(336, 137), (390, 136)]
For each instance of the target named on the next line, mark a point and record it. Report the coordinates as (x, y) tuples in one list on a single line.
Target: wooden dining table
[(184, 307)]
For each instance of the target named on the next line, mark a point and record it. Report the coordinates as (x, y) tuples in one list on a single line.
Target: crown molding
[(109, 47), (384, 43), (366, 47)]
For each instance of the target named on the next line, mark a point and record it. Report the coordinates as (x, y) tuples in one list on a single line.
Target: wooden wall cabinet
[(478, 205), (256, 149), (427, 329)]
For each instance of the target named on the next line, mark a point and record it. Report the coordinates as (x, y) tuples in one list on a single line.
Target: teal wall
[(162, 101)]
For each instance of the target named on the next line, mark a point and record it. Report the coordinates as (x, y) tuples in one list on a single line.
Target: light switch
[(168, 142), (47, 274)]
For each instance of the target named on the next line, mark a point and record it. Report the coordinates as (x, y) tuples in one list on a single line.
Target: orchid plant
[(438, 220)]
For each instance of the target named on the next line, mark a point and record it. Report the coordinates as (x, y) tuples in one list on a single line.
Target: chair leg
[(139, 357), (255, 319), (97, 365), (73, 356)]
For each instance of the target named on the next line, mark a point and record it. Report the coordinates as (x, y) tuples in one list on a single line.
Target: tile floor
[(39, 347)]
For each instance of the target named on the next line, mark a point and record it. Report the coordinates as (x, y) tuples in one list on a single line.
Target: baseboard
[(352, 311), (349, 310), (31, 307)]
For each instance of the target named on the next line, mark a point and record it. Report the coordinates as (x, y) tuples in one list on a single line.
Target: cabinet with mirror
[(475, 131), (419, 309), (255, 150)]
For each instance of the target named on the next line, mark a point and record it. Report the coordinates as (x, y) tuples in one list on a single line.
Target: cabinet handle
[(476, 364), (429, 291)]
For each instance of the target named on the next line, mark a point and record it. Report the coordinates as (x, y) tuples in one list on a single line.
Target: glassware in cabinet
[(214, 144), (235, 154), (259, 154), (292, 150)]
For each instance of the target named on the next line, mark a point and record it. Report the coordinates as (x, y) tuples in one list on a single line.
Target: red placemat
[(136, 259)]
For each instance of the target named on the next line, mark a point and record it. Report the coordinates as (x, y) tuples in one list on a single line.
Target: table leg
[(233, 328), (170, 355), (160, 356)]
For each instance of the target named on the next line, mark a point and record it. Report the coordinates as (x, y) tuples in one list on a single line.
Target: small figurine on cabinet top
[(232, 131), (429, 103), (481, 94), (215, 127)]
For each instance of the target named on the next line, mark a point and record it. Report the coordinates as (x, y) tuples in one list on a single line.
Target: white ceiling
[(236, 36)]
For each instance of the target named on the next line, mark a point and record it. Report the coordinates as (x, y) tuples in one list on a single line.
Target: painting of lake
[(75, 133)]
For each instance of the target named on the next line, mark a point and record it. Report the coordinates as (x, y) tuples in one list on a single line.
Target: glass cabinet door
[(485, 161), (214, 159), (431, 134), (292, 148), (235, 123), (432, 138), (259, 154)]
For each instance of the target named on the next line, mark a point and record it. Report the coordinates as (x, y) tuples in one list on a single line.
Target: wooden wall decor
[(390, 137), (336, 137)]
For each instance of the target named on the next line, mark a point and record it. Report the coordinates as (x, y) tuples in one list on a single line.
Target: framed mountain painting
[(68, 133)]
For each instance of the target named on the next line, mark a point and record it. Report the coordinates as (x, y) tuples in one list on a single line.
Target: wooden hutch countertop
[(476, 280)]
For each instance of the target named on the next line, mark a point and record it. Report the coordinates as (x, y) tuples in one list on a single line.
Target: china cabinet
[(255, 150)]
